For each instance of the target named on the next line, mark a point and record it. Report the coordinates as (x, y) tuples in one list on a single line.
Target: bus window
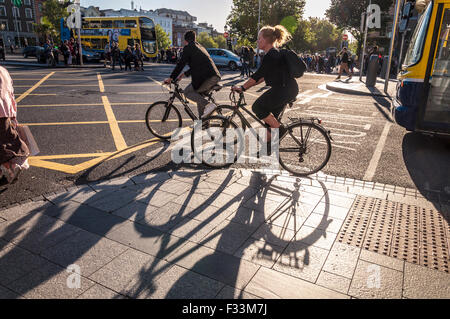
[(438, 104), (417, 42), (85, 24), (119, 24), (106, 24), (130, 24), (94, 24)]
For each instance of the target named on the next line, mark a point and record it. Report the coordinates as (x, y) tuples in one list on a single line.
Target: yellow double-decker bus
[(422, 103), (96, 32)]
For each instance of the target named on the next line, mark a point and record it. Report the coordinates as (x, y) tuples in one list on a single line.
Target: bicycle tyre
[(208, 123), (154, 119), (308, 157)]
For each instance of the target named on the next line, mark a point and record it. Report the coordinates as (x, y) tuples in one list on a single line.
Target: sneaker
[(208, 109)]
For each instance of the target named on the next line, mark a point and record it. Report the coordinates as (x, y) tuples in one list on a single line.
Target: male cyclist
[(203, 70)]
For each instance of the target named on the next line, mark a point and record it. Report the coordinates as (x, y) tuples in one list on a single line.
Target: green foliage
[(243, 19), (45, 30), (221, 41), (346, 14), (53, 11), (162, 38), (206, 40)]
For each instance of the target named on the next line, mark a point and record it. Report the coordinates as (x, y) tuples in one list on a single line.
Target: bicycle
[(163, 117), (304, 150)]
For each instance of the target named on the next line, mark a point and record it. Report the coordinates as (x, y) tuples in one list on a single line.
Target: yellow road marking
[(115, 130), (65, 123), (75, 85), (65, 156), (100, 83), (24, 95), (73, 169), (51, 105)]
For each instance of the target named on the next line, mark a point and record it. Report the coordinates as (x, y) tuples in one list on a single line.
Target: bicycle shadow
[(224, 248)]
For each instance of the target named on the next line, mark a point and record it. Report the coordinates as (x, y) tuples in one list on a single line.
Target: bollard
[(384, 67), (372, 70)]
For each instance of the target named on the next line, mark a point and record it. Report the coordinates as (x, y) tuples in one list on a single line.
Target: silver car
[(222, 57)]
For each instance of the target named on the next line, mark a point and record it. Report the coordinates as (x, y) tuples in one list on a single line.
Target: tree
[(45, 30), (206, 40), (243, 19), (346, 14), (162, 38), (323, 34), (221, 41), (53, 11)]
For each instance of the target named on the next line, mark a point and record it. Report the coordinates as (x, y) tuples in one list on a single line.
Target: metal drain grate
[(407, 232)]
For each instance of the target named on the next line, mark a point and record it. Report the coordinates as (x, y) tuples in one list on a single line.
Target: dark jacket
[(201, 66)]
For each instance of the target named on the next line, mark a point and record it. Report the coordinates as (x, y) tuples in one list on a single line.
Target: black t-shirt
[(272, 69), (344, 57)]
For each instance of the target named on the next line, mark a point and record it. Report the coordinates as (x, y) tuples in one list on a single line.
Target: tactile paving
[(414, 234)]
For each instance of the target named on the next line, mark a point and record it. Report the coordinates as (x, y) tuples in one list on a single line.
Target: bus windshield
[(148, 35), (417, 43)]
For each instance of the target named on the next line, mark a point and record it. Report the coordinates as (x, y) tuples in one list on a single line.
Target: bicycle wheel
[(305, 149), (217, 143), (162, 119)]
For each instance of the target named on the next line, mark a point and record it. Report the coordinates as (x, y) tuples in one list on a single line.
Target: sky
[(213, 12)]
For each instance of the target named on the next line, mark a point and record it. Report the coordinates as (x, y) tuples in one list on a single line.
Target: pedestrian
[(138, 58), (243, 58), (107, 54), (273, 71), (128, 57), (202, 69), (344, 64), (2, 50), (115, 52), (65, 51), (13, 150)]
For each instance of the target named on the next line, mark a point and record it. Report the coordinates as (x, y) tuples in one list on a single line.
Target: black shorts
[(273, 100)]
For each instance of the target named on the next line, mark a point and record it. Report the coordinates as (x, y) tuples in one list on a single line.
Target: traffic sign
[(225, 34), (344, 37)]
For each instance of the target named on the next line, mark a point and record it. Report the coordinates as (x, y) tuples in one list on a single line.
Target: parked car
[(222, 57), (89, 55), (31, 51)]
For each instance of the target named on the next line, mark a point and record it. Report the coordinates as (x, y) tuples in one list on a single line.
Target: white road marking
[(370, 172)]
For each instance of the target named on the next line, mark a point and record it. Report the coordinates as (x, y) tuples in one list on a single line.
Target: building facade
[(16, 24)]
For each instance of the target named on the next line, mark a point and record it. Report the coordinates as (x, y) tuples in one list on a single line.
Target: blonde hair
[(277, 35)]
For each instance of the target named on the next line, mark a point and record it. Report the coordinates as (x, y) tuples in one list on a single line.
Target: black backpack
[(295, 66)]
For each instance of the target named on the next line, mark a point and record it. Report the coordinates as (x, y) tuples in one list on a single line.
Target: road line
[(65, 123), (100, 83), (370, 172), (24, 95), (115, 130), (51, 105), (39, 94), (65, 156)]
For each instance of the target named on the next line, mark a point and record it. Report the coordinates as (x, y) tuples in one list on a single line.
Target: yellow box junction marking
[(117, 134), (24, 95), (100, 83)]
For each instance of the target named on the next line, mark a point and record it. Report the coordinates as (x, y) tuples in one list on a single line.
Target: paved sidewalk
[(356, 87), (226, 234)]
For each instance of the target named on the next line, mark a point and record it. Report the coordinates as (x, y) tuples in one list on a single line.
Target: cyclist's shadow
[(227, 269)]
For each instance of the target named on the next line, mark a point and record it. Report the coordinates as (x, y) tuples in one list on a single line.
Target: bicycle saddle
[(216, 87)]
